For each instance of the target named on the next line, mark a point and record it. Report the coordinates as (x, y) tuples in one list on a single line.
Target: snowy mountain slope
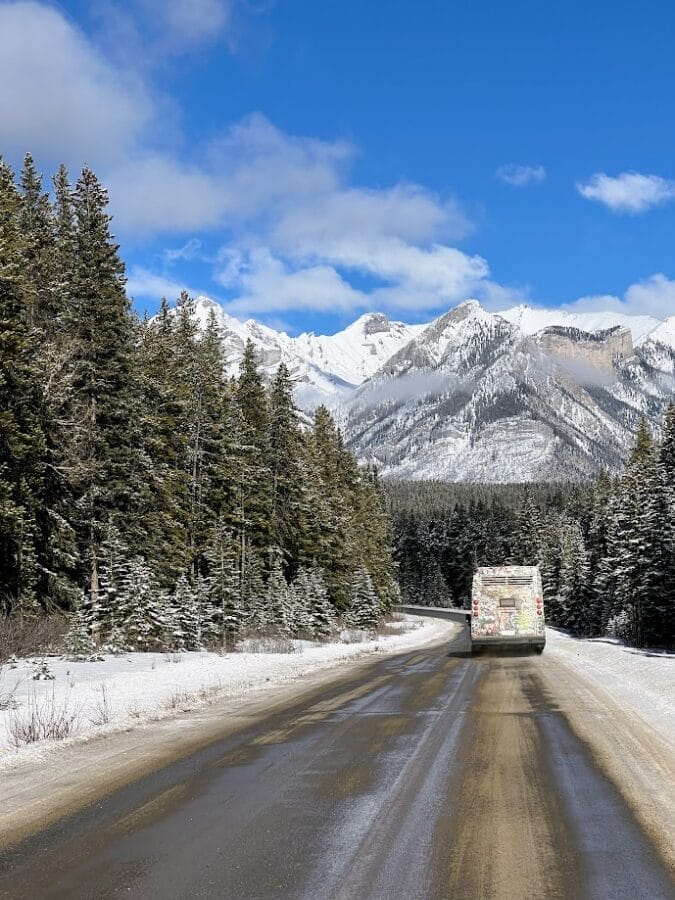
[(531, 319), (664, 333), (325, 367), (474, 398), (473, 395), (358, 351)]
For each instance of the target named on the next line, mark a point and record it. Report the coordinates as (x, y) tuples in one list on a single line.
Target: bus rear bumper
[(519, 643)]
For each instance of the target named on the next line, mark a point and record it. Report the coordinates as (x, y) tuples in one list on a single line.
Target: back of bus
[(507, 608)]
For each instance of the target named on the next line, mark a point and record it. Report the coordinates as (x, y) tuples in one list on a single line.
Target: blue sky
[(303, 162)]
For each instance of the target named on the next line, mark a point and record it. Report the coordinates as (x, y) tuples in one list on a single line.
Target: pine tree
[(573, 605), (257, 614), (184, 617), (143, 618), (528, 534), (324, 620), (224, 582), (101, 457), (279, 602), (364, 607), (254, 479), (78, 642), (21, 438)]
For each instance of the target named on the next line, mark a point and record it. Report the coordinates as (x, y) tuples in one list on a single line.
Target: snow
[(121, 692), (664, 333), (640, 681), (531, 319)]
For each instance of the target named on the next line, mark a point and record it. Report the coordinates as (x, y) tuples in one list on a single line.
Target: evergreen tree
[(184, 618), (78, 642), (143, 621), (101, 456), (224, 582), (364, 607), (573, 605)]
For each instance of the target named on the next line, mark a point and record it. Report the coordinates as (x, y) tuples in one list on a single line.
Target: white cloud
[(189, 22), (145, 285), (189, 250), (655, 296), (300, 234), (520, 176), (629, 192), (58, 97)]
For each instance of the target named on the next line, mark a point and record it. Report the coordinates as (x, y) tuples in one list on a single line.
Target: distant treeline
[(606, 549)]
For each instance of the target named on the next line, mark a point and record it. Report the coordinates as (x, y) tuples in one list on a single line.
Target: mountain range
[(526, 393)]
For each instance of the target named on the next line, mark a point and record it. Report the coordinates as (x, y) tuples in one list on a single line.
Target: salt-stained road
[(428, 775)]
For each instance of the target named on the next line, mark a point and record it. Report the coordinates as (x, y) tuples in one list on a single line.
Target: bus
[(507, 608)]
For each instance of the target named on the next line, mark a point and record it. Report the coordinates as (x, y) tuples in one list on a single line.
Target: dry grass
[(271, 644), (7, 699), (43, 719), (31, 636), (100, 715)]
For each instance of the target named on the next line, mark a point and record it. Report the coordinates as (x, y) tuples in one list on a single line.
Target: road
[(428, 775)]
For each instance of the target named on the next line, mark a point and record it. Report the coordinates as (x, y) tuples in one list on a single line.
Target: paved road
[(429, 775)]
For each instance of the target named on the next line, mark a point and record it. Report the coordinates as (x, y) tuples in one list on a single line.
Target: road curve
[(428, 775)]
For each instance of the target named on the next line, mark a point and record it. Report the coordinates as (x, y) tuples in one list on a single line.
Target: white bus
[(507, 608)]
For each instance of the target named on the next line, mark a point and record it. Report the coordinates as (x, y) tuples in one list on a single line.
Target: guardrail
[(438, 612)]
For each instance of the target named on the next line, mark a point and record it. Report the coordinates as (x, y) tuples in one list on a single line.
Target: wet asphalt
[(427, 775)]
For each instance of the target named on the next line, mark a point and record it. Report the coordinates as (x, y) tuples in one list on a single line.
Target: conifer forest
[(606, 549), (157, 501), (161, 503)]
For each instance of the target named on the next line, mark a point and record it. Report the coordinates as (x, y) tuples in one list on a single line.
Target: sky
[(304, 162)]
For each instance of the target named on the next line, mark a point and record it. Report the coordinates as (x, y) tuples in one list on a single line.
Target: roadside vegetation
[(155, 502), (606, 549)]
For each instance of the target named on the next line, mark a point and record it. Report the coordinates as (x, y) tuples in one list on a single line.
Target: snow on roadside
[(122, 692), (642, 681)]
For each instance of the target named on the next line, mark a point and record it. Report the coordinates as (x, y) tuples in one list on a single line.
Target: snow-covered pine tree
[(635, 576), (324, 618), (184, 617), (664, 629), (279, 601), (572, 601), (21, 436), (527, 551), (364, 607), (102, 455), (209, 613), (254, 478), (113, 572), (78, 642), (224, 582), (142, 610), (257, 613)]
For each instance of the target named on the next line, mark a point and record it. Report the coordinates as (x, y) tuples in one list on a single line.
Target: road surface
[(428, 775)]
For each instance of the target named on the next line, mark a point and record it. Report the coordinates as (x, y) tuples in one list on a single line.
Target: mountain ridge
[(475, 395)]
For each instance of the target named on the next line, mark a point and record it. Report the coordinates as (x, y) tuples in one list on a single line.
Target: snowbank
[(640, 681), (120, 692)]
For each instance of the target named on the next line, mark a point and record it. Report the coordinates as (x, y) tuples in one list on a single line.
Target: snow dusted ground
[(621, 703), (640, 681), (121, 692)]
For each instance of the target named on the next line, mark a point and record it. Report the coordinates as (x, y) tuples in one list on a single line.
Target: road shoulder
[(40, 791)]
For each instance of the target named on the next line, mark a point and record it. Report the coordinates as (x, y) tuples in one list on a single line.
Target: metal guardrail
[(438, 612)]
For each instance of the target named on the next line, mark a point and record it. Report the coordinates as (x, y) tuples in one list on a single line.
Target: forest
[(157, 501), (606, 549)]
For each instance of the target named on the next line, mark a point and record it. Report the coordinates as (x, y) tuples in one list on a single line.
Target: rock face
[(598, 349), (477, 396), (474, 399)]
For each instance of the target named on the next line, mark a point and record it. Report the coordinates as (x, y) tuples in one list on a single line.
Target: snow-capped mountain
[(531, 319), (325, 368), (523, 394), (475, 398)]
